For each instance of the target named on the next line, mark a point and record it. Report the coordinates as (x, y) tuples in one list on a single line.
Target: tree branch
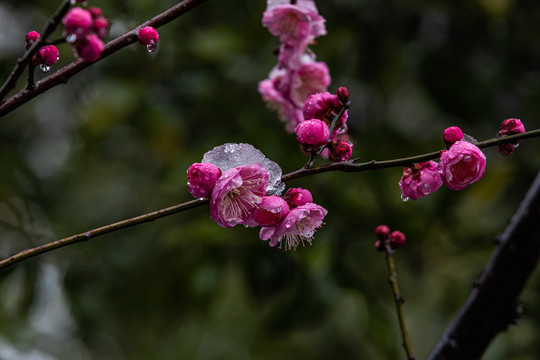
[(494, 301), (347, 166), (64, 74)]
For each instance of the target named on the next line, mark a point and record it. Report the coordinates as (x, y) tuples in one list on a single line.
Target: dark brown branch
[(28, 253), (63, 75), (494, 302), (27, 57)]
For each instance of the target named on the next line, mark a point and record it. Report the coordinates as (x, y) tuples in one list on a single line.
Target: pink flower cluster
[(395, 239), (459, 166), (322, 112), (85, 30), (238, 197), (46, 55), (297, 74)]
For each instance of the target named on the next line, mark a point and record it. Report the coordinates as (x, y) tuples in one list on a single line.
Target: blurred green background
[(115, 142)]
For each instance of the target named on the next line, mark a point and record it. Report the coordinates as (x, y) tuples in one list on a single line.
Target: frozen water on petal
[(231, 155), (468, 138)]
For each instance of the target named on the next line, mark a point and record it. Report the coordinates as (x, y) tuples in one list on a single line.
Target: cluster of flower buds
[(394, 239), (149, 37), (297, 74), (46, 55), (238, 196), (462, 164), (85, 30), (325, 125), (510, 127)]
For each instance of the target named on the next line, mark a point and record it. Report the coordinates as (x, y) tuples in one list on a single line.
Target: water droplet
[(404, 198), (71, 38), (72, 2), (151, 47), (516, 145), (44, 68)]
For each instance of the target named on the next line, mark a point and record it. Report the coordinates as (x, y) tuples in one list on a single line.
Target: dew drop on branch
[(44, 68), (404, 198)]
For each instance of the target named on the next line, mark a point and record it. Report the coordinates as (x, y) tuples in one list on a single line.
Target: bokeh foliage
[(115, 142)]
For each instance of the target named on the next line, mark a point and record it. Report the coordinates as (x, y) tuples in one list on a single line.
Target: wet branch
[(349, 166), (64, 74)]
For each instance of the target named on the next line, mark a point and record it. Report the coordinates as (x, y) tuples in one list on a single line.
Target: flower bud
[(90, 48), (420, 180), (270, 211), (149, 37), (343, 95), (382, 232), (30, 38), (47, 55), (297, 196), (397, 239), (95, 11), (506, 149), (451, 135), (202, 178), (78, 22), (511, 127), (101, 26), (312, 134), (340, 150)]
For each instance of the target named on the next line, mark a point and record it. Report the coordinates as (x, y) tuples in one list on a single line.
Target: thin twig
[(28, 253), (398, 299), (50, 26), (64, 74)]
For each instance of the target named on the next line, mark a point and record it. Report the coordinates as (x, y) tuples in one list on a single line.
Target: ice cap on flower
[(201, 179), (298, 227), (231, 155), (237, 193), (420, 180), (461, 165)]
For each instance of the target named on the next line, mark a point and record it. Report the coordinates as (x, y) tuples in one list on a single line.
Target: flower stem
[(399, 300)]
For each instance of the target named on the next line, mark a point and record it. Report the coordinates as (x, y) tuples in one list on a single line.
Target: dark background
[(115, 142)]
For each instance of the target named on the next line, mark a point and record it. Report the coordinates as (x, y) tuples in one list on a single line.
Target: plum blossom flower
[(298, 227), (77, 22), (237, 193), (461, 165), (31, 38), (510, 127), (298, 23), (149, 37), (297, 196), (90, 48), (420, 180), (270, 211), (325, 106), (47, 55), (312, 134), (201, 179)]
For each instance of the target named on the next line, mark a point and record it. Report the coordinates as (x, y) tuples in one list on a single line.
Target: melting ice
[(231, 155)]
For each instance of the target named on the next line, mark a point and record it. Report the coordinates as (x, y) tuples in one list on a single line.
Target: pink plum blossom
[(297, 196), (325, 106), (47, 55), (237, 193), (90, 48), (420, 180), (30, 38), (312, 134), (312, 77), (101, 26), (451, 135), (340, 150), (298, 227), (270, 211), (201, 179), (461, 165), (298, 23), (78, 22)]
